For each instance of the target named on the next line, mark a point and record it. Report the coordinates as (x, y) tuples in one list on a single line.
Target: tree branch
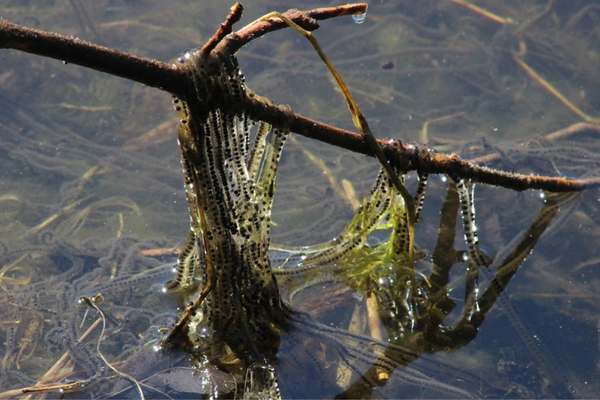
[(306, 19), (224, 29), (71, 49), (173, 78)]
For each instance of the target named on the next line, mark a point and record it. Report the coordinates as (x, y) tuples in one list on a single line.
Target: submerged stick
[(93, 303), (43, 384)]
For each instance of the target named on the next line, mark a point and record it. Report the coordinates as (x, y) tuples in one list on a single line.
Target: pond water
[(91, 194)]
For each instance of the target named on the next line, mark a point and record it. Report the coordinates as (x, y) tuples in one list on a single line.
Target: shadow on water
[(86, 209)]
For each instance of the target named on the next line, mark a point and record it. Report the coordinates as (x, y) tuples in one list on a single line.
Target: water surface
[(90, 177)]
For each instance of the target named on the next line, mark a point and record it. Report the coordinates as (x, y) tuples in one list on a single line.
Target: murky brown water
[(90, 176)]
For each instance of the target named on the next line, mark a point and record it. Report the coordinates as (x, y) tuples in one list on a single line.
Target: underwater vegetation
[(387, 308)]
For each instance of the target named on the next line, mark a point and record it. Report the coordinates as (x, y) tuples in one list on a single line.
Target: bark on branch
[(172, 78)]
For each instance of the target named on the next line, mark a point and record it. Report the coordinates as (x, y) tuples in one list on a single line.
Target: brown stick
[(43, 385), (173, 79), (224, 29), (306, 19), (70, 49), (579, 128)]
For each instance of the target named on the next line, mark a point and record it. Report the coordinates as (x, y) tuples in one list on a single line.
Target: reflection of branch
[(472, 319), (444, 255), (174, 79), (511, 263), (434, 336)]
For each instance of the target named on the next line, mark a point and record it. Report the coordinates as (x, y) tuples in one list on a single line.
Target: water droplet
[(444, 178), (204, 332), (156, 348), (465, 257), (542, 195), (359, 18)]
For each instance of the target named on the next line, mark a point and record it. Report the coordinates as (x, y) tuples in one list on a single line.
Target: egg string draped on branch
[(173, 78)]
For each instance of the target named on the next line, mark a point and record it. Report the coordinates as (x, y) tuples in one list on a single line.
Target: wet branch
[(173, 78), (306, 19), (76, 51)]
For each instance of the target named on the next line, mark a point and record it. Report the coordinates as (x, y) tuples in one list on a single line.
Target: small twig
[(159, 251), (483, 12), (424, 132), (57, 387), (43, 384), (548, 87), (63, 359), (235, 13), (579, 128), (92, 302), (434, 163), (306, 19)]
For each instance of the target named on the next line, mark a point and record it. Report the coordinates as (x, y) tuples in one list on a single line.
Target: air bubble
[(359, 18)]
